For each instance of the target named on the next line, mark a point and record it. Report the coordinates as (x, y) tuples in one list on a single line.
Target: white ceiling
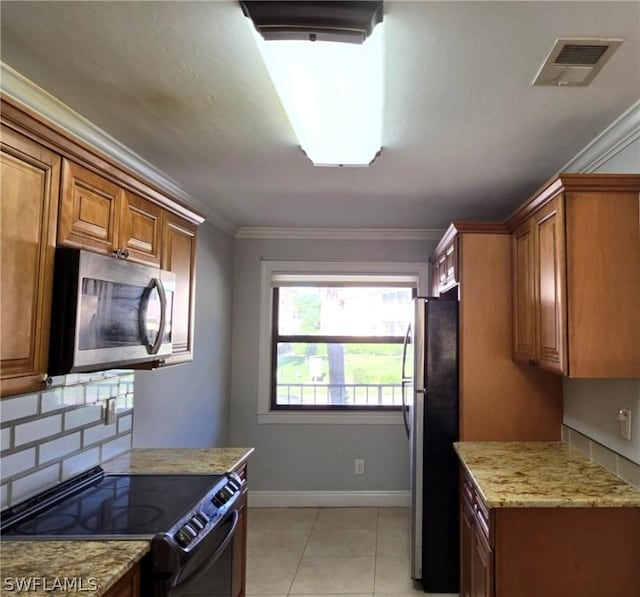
[(466, 136)]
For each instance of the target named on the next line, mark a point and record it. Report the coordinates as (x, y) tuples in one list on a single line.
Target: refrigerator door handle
[(404, 354), (405, 410)]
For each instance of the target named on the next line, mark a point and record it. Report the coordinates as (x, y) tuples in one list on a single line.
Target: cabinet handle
[(47, 381), (121, 253)]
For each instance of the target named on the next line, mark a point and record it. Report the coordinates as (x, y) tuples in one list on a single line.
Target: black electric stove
[(190, 521)]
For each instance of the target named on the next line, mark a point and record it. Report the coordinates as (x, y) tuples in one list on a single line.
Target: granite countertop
[(88, 568), (178, 460), (542, 475)]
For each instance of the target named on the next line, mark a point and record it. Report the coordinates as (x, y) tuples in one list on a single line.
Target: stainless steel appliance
[(431, 420), (190, 520), (108, 313)]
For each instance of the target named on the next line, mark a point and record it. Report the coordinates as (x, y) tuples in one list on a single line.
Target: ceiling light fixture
[(326, 62)]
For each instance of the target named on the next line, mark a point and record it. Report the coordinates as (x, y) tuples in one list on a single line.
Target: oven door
[(209, 570)]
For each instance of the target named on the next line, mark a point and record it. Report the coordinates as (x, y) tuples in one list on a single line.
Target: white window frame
[(394, 271)]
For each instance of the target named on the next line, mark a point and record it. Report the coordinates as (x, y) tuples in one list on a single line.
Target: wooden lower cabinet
[(239, 574), (30, 176), (128, 585), (550, 552)]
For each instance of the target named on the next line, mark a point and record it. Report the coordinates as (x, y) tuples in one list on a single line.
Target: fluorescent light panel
[(332, 93)]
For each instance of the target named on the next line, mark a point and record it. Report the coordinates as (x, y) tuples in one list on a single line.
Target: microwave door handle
[(155, 347)]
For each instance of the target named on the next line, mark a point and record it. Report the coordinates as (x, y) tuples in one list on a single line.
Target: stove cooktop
[(117, 505)]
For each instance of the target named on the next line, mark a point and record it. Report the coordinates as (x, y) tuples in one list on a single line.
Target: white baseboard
[(328, 499)]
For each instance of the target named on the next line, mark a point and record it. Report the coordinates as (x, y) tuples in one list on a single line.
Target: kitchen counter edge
[(196, 461)]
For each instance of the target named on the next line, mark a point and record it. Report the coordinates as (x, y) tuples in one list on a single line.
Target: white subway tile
[(124, 403), (71, 379), (82, 416), (4, 495), (80, 463), (52, 400), (98, 433), (74, 395), (58, 448), (17, 463), (125, 423), (117, 446), (25, 487), (18, 408), (38, 429), (6, 438)]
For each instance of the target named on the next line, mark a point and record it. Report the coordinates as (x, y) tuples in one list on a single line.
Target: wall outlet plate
[(624, 418)]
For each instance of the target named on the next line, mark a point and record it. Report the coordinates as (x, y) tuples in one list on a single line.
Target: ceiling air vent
[(575, 62)]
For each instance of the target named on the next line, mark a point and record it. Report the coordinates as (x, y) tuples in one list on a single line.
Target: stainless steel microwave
[(108, 313)]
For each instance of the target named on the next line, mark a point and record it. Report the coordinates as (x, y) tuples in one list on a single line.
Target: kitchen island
[(540, 519)]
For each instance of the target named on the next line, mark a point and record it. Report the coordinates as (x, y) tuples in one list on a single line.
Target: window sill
[(330, 418)]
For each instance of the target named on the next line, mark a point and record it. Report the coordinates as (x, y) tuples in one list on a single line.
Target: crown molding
[(257, 232), (620, 134), (25, 91)]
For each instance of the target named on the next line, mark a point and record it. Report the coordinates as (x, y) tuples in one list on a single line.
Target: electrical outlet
[(109, 411), (624, 418), (358, 466)]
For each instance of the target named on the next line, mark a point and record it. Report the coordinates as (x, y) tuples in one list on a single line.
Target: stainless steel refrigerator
[(430, 394)]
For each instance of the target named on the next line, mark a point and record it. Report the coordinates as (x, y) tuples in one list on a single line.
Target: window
[(332, 340), (338, 347)]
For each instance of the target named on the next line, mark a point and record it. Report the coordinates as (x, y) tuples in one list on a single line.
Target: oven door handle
[(228, 538), (198, 572)]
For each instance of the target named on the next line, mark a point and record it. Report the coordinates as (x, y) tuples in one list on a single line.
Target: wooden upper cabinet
[(539, 309), (98, 215), (178, 256), (579, 241), (89, 210), (140, 229), (30, 178), (549, 287), (444, 264), (524, 344)]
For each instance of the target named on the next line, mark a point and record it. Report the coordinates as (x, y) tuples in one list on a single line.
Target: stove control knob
[(182, 537)]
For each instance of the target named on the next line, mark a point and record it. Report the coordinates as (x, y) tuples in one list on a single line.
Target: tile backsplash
[(616, 463), (55, 434)]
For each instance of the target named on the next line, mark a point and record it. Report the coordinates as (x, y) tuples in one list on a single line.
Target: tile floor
[(354, 552)]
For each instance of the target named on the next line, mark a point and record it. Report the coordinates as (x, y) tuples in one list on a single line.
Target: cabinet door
[(30, 178), (482, 567), (550, 280), (240, 552), (466, 546), (178, 256), (128, 585), (140, 228), (89, 210), (524, 347)]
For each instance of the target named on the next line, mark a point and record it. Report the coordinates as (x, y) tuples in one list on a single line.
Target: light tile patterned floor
[(353, 552)]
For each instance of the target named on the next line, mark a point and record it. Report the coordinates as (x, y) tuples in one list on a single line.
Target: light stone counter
[(541, 475), (178, 461), (42, 568)]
